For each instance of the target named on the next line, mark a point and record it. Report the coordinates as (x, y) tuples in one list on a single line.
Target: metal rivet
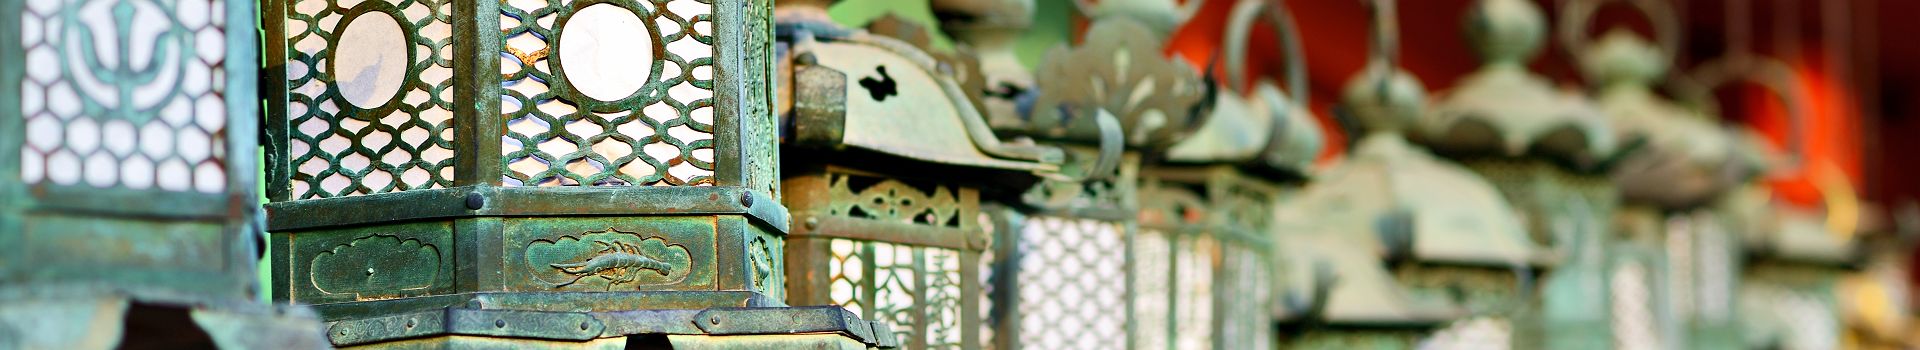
[(369, 271), (583, 325), (807, 59), (409, 323), (813, 223), (746, 199), (499, 323), (475, 201), (714, 320)]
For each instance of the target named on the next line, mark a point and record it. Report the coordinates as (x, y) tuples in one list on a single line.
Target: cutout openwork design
[(124, 94), (916, 289), (607, 92), (370, 96)]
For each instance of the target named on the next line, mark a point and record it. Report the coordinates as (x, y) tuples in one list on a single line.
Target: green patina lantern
[(1065, 272), (1424, 251), (126, 195), (1547, 151), (887, 162), (574, 173), (1688, 261)]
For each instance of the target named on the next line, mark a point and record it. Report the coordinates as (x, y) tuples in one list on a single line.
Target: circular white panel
[(607, 52), (370, 61)]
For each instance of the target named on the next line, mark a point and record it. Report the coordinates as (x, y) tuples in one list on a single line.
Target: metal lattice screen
[(370, 96), (902, 251), (125, 96), (612, 122)]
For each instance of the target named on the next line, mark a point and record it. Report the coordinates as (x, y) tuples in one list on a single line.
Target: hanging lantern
[(1064, 265), (126, 185), (886, 163), (532, 173), (1459, 257), (1547, 151)]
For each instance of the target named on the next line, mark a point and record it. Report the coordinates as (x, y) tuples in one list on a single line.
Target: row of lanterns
[(745, 173)]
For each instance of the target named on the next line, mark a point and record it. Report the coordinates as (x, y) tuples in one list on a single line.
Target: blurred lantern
[(1547, 151), (1459, 257), (1684, 163), (591, 173), (126, 185), (885, 163)]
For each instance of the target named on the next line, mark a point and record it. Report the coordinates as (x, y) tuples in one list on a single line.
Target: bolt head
[(475, 201)]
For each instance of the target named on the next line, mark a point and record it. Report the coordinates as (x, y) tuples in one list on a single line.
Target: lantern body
[(126, 193), (589, 158), (1207, 227), (1061, 275)]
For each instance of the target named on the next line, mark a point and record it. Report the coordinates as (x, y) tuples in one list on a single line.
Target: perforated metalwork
[(1195, 259), (1152, 289), (660, 135), (916, 289), (891, 200), (1633, 320), (1072, 284), (124, 94), (1247, 318), (337, 147)]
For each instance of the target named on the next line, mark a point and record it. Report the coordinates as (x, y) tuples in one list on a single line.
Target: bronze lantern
[(574, 173), (887, 162)]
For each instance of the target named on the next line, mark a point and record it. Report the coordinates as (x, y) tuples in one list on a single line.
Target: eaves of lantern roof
[(879, 94), (1506, 111), (1358, 291), (1684, 160), (1450, 214), (1266, 130), (1117, 69)]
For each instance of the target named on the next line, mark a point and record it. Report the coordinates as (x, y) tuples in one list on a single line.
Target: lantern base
[(103, 321), (482, 325)]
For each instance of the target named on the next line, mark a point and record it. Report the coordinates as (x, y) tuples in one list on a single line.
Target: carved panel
[(609, 258), (894, 200), (916, 289), (371, 263), (610, 254), (376, 263)]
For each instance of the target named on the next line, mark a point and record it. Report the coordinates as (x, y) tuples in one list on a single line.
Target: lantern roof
[(1502, 109)]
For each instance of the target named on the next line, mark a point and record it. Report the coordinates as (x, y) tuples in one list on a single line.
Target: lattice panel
[(632, 105), (1635, 325), (895, 201), (1248, 318), (124, 94), (910, 287), (1195, 258), (1072, 284), (1152, 289), (370, 96)]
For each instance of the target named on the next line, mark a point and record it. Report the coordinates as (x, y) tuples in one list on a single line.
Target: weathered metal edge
[(489, 201), (131, 203), (891, 232), (12, 130), (580, 326)]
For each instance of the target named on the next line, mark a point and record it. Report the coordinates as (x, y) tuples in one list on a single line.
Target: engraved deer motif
[(617, 262)]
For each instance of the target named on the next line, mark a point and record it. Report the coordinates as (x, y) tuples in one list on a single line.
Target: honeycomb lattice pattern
[(1195, 260), (124, 94), (1248, 318), (337, 147), (1072, 284), (1631, 291), (661, 135), (911, 287), (1152, 289)]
